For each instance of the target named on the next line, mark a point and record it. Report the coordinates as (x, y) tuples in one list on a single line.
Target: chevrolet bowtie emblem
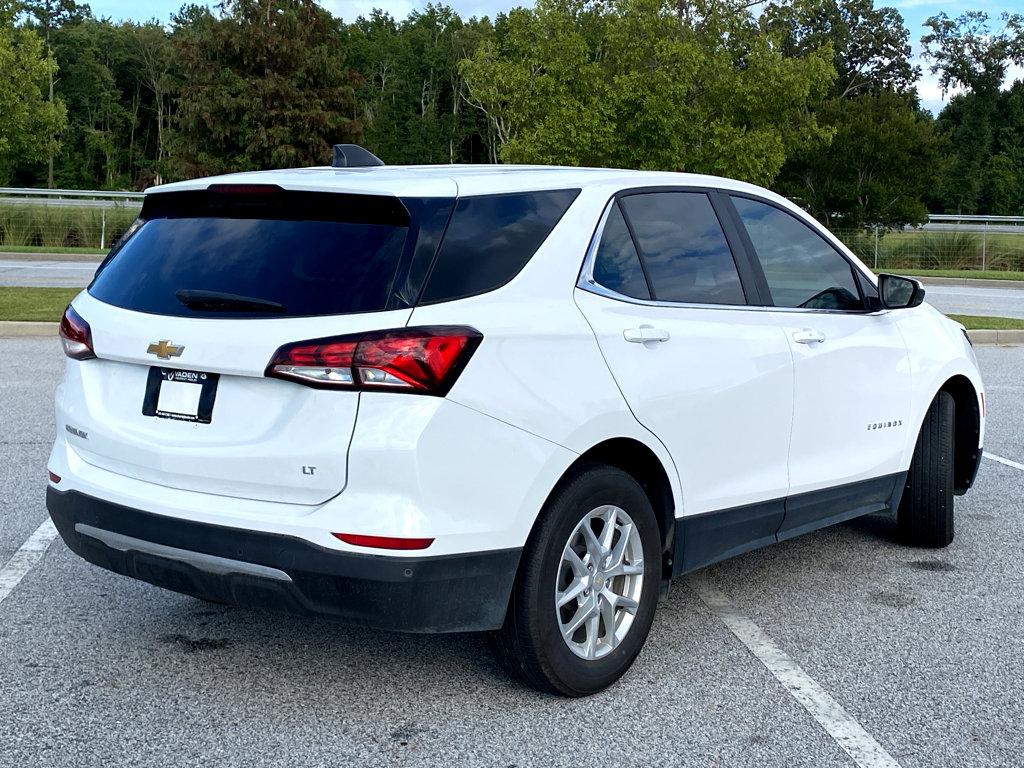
[(164, 349)]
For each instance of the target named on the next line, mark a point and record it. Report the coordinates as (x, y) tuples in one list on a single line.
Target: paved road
[(923, 648), (19, 272), (967, 300)]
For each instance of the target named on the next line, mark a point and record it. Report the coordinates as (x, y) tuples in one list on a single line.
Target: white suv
[(493, 398)]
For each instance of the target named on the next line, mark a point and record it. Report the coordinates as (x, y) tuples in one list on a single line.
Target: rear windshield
[(258, 254)]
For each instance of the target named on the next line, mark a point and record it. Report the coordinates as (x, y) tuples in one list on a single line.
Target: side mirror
[(896, 292)]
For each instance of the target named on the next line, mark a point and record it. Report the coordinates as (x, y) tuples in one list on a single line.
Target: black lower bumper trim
[(438, 594)]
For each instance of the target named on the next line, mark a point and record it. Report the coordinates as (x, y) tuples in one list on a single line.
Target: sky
[(915, 12)]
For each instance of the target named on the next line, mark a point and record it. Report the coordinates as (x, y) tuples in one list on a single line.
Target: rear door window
[(683, 248), (263, 253), (489, 239)]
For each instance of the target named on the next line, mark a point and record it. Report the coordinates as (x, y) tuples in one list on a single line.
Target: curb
[(12, 328), (996, 336), (928, 280)]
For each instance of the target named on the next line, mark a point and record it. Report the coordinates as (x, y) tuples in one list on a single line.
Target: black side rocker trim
[(431, 594), (701, 540)]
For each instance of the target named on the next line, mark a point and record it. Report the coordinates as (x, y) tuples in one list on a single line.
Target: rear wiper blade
[(196, 299)]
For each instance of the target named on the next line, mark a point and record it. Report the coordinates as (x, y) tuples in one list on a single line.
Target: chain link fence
[(945, 243), (64, 219)]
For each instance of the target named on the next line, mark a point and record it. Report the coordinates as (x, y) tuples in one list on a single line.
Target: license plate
[(183, 395)]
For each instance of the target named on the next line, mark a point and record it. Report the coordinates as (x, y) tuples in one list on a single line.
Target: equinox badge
[(165, 349)]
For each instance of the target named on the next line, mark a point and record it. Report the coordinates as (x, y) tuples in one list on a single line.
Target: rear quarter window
[(489, 239)]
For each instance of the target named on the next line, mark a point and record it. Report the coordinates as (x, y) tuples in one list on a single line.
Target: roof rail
[(354, 156)]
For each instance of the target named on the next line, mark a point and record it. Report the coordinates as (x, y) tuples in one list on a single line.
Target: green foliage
[(984, 170), (965, 51), (882, 162), (884, 154), (870, 46), (28, 121), (634, 83), (263, 86), (413, 95), (26, 225)]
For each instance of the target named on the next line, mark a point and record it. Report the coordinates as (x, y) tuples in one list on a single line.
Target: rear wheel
[(925, 516), (587, 588)]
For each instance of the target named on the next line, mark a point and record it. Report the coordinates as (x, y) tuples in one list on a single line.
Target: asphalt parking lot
[(922, 650)]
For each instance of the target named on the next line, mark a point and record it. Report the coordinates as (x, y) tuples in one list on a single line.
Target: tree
[(637, 83), (91, 153), (870, 46), (29, 122), (264, 85), (882, 163), (1005, 189), (884, 155), (49, 15), (413, 94), (965, 52), (154, 63)]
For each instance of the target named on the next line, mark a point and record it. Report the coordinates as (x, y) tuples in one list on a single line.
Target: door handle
[(807, 336), (645, 334)]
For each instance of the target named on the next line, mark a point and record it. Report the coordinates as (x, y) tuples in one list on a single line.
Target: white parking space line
[(27, 556), (1003, 460), (843, 728)]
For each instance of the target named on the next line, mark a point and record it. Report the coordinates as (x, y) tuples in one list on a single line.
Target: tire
[(530, 644), (925, 516)]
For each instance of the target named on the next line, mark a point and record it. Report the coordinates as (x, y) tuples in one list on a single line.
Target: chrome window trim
[(587, 283)]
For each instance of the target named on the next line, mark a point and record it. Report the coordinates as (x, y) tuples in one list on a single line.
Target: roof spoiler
[(354, 156)]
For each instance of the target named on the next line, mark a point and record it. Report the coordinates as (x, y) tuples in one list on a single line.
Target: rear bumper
[(438, 594)]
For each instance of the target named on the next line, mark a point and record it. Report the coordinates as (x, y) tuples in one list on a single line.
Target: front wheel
[(925, 516), (587, 588)]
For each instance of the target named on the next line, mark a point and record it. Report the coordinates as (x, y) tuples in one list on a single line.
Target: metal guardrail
[(976, 219), (32, 192)]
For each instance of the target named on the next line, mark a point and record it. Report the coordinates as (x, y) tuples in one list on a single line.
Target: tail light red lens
[(386, 543), (75, 336), (426, 360)]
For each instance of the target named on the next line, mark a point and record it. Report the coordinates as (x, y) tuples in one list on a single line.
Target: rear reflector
[(75, 335), (386, 543), (54, 478), (424, 360)]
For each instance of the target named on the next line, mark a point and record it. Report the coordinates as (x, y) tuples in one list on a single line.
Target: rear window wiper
[(196, 299)]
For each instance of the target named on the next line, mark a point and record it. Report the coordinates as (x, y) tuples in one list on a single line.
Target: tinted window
[(802, 268), (198, 260), (683, 248), (617, 264), (490, 239)]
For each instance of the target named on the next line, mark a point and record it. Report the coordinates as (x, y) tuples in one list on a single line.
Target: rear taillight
[(75, 335), (424, 360)]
